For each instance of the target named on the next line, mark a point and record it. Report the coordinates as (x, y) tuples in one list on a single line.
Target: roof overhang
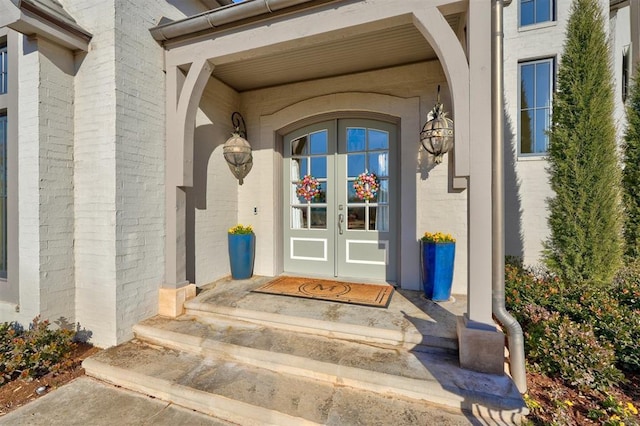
[(32, 18), (230, 13), (390, 43)]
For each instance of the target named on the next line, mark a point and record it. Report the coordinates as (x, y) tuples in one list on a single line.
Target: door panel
[(309, 224), (366, 245), (335, 232)]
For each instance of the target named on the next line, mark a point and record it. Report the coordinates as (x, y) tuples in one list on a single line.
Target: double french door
[(339, 200)]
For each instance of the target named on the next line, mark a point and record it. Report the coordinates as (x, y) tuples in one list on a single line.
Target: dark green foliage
[(631, 174), (611, 312), (34, 352), (559, 347), (585, 215)]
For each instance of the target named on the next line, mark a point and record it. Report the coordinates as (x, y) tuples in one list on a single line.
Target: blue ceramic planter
[(242, 248), (437, 269)]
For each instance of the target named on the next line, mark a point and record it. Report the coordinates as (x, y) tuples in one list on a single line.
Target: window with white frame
[(536, 11), (3, 68), (536, 91), (3, 195)]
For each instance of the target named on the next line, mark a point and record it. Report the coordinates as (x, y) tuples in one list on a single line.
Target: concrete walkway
[(88, 402)]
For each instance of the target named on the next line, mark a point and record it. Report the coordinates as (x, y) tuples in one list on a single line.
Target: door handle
[(340, 221)]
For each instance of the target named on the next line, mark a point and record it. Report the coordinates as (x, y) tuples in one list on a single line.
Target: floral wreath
[(366, 185), (308, 187)]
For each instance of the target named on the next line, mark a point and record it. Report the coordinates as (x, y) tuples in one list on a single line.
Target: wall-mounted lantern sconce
[(236, 149), (437, 134)]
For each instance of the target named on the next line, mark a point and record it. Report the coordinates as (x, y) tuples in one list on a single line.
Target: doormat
[(334, 291)]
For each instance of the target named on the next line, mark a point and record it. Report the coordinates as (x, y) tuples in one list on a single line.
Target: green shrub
[(33, 352), (559, 347), (585, 215), (524, 287), (613, 312), (631, 174), (626, 286)]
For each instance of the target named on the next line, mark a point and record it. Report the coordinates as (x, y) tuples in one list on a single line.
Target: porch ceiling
[(344, 55)]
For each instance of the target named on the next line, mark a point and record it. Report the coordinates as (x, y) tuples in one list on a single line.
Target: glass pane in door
[(367, 151), (308, 184)]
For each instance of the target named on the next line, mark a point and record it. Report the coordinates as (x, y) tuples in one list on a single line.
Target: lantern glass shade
[(437, 134), (237, 153)]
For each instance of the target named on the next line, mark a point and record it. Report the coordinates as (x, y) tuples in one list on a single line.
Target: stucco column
[(479, 196), (481, 345), (183, 97)]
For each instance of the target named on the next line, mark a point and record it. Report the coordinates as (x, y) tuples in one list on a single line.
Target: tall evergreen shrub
[(584, 214), (631, 174)]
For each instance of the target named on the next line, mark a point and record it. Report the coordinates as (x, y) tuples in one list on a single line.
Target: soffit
[(376, 50)]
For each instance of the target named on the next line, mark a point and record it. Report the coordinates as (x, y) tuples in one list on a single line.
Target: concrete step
[(248, 395), (432, 376), (410, 320)]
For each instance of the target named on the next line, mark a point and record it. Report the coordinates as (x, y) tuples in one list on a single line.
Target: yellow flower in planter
[(241, 230), (437, 237)]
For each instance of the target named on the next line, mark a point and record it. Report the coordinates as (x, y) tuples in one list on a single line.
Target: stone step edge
[(204, 402), (367, 380), (350, 332)]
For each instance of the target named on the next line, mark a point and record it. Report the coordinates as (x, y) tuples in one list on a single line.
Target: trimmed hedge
[(32, 352), (602, 321)]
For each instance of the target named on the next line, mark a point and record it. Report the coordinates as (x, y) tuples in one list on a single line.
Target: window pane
[(322, 195), (355, 164), (355, 139), (383, 192), (379, 163), (536, 11), (318, 218), (527, 12), (319, 167), (378, 139), (543, 84), (542, 123), (356, 218), (351, 194), (3, 69), (543, 10), (298, 217), (527, 85), (299, 146), (526, 132), (295, 169), (379, 218), (319, 142), (298, 168)]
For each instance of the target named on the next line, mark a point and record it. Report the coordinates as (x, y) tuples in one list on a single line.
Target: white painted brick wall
[(119, 165), (28, 197), (140, 130), (213, 202), (57, 285), (94, 173)]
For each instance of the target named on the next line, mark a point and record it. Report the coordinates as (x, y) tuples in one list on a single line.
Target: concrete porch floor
[(409, 320)]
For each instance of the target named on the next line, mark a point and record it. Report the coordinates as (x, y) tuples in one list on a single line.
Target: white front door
[(334, 231)]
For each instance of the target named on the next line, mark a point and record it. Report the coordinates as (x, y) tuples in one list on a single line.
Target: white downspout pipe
[(514, 331)]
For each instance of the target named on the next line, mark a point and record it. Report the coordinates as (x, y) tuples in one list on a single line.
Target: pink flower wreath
[(308, 187), (366, 186)]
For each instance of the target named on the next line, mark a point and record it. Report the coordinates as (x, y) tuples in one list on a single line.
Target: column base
[(171, 301), (480, 350)]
